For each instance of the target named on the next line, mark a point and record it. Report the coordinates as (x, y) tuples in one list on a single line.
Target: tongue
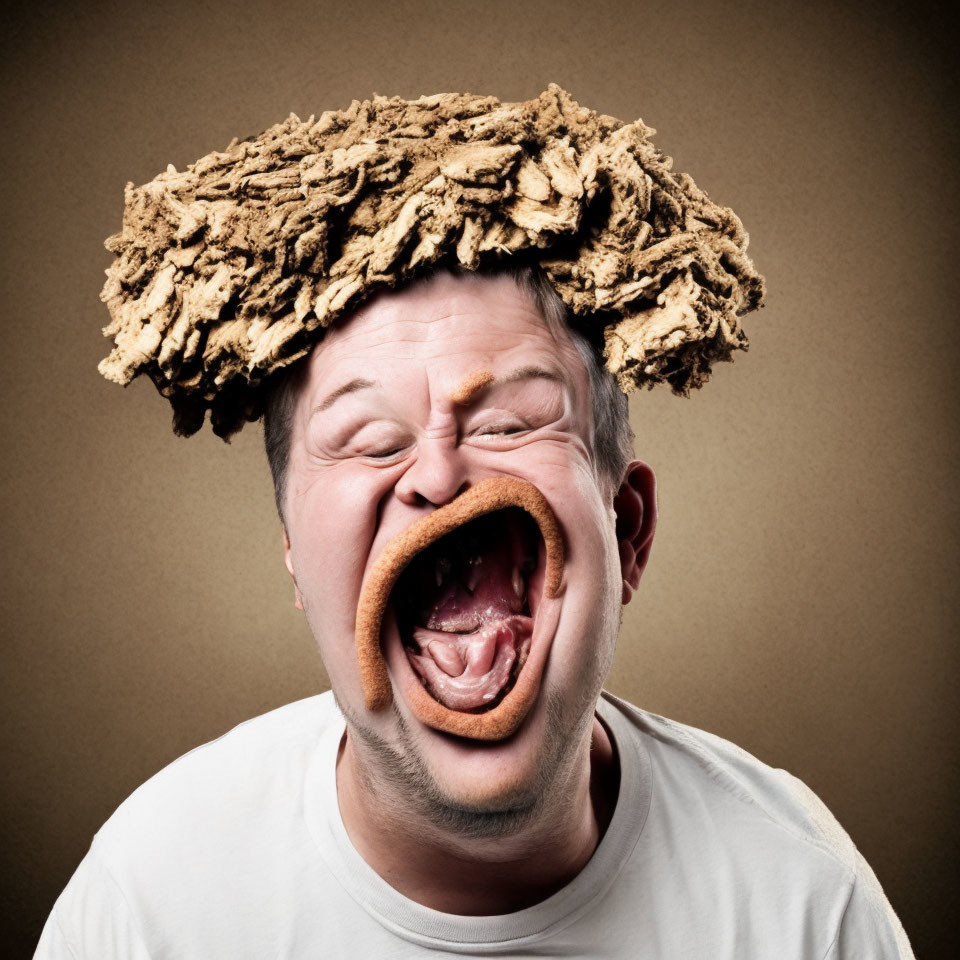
[(464, 601), (468, 670)]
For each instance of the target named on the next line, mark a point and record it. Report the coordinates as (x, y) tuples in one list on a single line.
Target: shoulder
[(708, 763), (760, 829), (253, 773), (207, 857)]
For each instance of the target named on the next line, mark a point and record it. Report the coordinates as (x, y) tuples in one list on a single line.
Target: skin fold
[(379, 442)]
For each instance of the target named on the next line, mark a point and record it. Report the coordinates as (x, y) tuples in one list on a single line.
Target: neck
[(482, 877)]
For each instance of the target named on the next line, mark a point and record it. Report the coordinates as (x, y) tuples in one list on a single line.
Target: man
[(462, 522)]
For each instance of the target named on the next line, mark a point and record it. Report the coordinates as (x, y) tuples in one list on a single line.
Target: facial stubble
[(396, 773)]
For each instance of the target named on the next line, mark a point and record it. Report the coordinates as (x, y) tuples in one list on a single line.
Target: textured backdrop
[(800, 599)]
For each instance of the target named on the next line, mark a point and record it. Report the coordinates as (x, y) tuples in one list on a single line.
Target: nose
[(437, 475)]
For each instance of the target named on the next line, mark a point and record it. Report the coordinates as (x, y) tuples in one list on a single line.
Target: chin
[(477, 771), (485, 795), (490, 789)]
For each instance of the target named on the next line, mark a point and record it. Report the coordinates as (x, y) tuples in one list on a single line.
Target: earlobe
[(288, 563), (635, 505)]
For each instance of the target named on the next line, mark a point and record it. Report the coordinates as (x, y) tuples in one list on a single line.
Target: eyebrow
[(359, 383), (480, 380), (530, 373)]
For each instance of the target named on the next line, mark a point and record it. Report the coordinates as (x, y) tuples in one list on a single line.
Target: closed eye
[(504, 425), (500, 429), (384, 454)]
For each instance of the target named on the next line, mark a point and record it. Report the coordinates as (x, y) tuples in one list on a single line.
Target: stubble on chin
[(397, 774)]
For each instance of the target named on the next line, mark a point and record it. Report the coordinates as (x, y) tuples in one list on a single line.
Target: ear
[(288, 563), (635, 505)]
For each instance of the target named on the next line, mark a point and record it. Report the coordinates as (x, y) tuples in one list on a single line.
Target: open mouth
[(465, 608), (465, 603)]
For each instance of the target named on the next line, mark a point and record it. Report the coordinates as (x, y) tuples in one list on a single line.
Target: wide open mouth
[(543, 589), (465, 608)]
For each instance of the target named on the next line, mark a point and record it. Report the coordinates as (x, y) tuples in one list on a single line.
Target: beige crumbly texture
[(230, 270), (493, 493), (471, 386)]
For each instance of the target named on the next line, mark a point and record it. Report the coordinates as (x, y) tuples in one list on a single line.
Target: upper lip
[(487, 496)]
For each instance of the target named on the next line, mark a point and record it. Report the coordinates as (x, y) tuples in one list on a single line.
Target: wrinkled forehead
[(447, 328)]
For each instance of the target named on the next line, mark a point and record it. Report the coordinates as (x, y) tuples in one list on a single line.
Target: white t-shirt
[(237, 850)]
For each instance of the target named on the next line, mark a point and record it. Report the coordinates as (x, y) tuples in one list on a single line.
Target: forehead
[(445, 327)]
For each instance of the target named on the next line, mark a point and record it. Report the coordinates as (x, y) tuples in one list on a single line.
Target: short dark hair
[(613, 435)]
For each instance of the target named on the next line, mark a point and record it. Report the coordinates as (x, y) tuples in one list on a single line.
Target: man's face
[(382, 437)]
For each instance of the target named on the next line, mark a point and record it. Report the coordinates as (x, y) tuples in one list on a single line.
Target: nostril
[(426, 489), (438, 473), (460, 490), (440, 500)]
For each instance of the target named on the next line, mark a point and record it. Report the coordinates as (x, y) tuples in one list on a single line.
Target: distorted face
[(423, 395)]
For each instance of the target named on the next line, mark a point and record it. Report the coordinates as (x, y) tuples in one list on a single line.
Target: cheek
[(593, 559), (557, 464), (570, 484), (334, 518), (564, 473)]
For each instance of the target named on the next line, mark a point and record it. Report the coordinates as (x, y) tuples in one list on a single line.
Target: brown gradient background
[(801, 595)]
